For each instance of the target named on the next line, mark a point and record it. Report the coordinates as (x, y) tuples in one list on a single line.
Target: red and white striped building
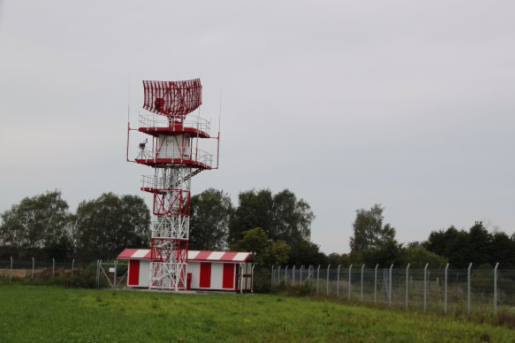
[(206, 270)]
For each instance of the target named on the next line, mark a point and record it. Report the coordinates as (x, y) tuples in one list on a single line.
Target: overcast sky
[(409, 104)]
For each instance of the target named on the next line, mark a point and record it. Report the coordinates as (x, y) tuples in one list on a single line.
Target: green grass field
[(54, 314)]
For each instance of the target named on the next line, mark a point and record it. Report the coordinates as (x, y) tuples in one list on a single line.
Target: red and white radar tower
[(175, 157)]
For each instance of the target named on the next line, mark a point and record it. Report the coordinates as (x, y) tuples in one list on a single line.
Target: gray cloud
[(409, 104)]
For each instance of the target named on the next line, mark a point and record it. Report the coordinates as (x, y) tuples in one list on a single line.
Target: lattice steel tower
[(175, 156)]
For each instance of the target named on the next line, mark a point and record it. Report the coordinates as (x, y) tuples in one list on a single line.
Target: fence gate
[(112, 272)]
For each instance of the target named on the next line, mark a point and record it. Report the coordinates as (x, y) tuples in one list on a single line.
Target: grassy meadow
[(55, 314)]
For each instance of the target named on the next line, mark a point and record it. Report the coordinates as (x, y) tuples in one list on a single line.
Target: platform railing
[(150, 181), (189, 154), (161, 182), (159, 121)]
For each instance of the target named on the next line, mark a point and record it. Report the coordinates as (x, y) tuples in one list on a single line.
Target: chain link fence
[(437, 290), (99, 274)]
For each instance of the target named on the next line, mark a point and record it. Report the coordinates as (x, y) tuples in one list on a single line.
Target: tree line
[(374, 243), (43, 227), (277, 227)]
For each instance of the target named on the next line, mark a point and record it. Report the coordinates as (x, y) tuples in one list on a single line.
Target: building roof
[(193, 255)]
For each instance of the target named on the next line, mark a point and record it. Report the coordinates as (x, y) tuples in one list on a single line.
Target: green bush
[(262, 277), (83, 279)]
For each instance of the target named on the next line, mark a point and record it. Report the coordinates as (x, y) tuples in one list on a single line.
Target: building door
[(228, 278), (205, 275), (133, 272)]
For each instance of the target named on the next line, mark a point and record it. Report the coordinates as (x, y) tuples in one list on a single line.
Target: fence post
[(33, 266), (11, 270), (495, 287), (272, 279), (301, 269), (445, 288), (375, 283), (114, 276), (286, 276), (279, 274), (350, 281), (73, 265), (425, 287), (53, 267), (309, 272), (98, 273), (407, 285), (327, 291), (96, 276), (293, 275), (390, 287), (361, 288), (318, 277), (338, 281), (468, 287)]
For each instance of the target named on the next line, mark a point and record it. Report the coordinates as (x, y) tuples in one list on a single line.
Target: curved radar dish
[(172, 98)]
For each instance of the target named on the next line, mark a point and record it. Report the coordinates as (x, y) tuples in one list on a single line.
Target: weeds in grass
[(299, 289), (484, 337), (505, 318)]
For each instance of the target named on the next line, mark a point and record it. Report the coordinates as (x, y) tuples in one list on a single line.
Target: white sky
[(347, 103)]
